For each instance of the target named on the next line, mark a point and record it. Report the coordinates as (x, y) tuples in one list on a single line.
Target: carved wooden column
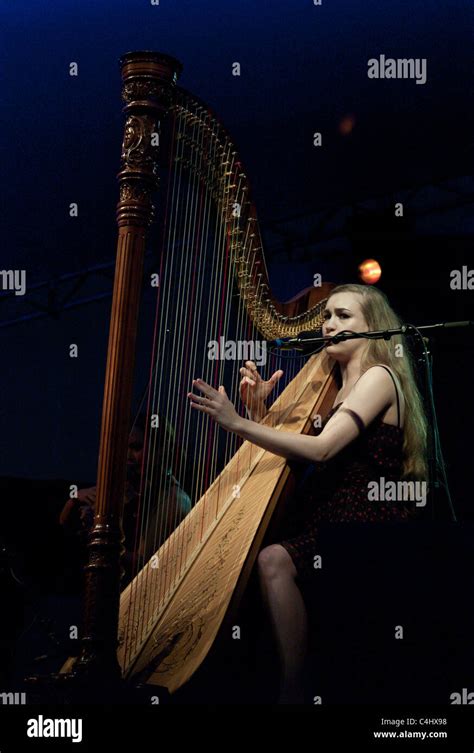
[(148, 83)]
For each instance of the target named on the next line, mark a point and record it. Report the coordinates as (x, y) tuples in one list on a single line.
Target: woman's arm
[(373, 392)]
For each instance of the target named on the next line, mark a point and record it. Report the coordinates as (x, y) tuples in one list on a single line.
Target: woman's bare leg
[(288, 616)]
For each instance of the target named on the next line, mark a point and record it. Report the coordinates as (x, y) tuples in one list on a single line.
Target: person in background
[(159, 500)]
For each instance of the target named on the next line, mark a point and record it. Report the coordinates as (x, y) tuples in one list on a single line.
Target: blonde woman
[(376, 429)]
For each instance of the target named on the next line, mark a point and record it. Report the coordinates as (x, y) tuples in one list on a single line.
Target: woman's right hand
[(254, 390)]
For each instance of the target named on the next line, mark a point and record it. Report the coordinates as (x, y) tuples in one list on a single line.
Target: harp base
[(75, 688)]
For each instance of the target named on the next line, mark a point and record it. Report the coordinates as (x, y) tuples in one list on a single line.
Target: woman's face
[(344, 312)]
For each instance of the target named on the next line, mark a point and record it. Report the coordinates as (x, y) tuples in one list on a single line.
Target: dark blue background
[(304, 68)]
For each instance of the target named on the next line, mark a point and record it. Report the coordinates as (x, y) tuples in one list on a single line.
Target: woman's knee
[(274, 561)]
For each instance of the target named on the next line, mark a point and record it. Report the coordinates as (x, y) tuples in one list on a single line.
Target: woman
[(375, 429)]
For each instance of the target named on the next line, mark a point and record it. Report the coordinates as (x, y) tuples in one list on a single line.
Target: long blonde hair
[(379, 315)]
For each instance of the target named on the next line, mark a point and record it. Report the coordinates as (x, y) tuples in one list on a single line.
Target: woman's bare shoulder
[(392, 382)]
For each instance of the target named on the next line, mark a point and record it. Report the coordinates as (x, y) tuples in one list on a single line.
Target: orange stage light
[(370, 271), (346, 125)]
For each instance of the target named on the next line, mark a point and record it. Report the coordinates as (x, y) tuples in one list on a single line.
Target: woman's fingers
[(252, 367), (276, 376), (246, 373), (205, 388), (199, 399), (250, 375), (250, 370), (247, 380), (260, 389)]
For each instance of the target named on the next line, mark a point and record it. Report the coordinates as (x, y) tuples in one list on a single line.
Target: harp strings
[(149, 448), (190, 291), (183, 356), (198, 301)]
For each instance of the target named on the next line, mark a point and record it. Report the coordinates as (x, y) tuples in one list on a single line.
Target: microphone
[(308, 339), (303, 341), (448, 325)]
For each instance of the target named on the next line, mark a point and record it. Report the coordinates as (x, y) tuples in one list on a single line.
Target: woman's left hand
[(216, 404)]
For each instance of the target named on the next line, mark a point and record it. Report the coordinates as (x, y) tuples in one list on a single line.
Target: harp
[(212, 289)]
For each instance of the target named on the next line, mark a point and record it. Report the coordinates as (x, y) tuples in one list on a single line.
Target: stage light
[(346, 125), (370, 271)]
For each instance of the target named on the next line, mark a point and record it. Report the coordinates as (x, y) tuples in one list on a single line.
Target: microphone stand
[(378, 334), (436, 463)]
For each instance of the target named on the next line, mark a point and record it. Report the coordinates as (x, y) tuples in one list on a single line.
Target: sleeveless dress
[(337, 491)]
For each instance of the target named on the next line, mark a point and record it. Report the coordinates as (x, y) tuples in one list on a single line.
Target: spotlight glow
[(346, 124), (370, 271)]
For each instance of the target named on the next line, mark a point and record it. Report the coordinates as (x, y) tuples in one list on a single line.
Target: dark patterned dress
[(337, 491)]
